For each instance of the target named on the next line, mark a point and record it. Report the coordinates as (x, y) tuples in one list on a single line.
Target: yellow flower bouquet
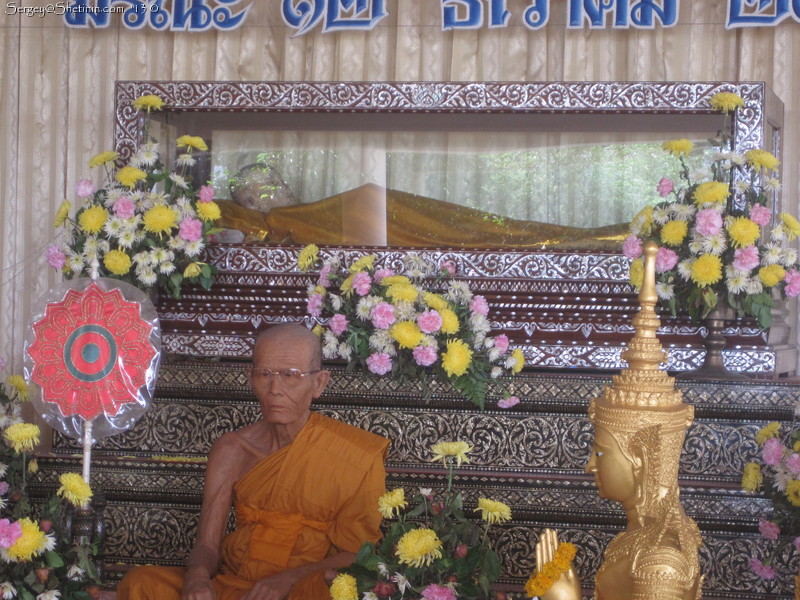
[(720, 241), (147, 225), (431, 551), (408, 323), (38, 558)]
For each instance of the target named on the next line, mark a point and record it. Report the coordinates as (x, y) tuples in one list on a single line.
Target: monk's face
[(286, 400)]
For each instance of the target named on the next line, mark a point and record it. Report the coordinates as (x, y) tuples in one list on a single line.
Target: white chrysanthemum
[(185, 160), (718, 156), (336, 301), (310, 289), (664, 290), (401, 581), (157, 198), (381, 341), (167, 267), (753, 286), (405, 311), (782, 477), (736, 282), (772, 254), (175, 243), (479, 324), (478, 343), (141, 258), (414, 263), (330, 350), (429, 340), (789, 257), (683, 212), (685, 269), (736, 158), (458, 292), (494, 354), (715, 244), (696, 245), (146, 156), (126, 239), (4, 467), (75, 572), (365, 306), (159, 255), (345, 351), (90, 245), (178, 180), (382, 568), (75, 263), (185, 209), (661, 215), (369, 596), (114, 227), (771, 184), (778, 234), (699, 174), (146, 275), (741, 186), (8, 590), (193, 248)]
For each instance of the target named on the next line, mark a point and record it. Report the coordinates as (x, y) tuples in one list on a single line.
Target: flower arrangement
[(146, 225), (778, 476), (382, 322), (431, 551), (711, 227), (37, 561)]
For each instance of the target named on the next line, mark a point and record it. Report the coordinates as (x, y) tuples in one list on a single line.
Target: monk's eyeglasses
[(283, 375)]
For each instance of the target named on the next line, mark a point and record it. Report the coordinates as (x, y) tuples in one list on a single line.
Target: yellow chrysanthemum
[(365, 262), (680, 147), (769, 431), (726, 101), (406, 333), (32, 542), (208, 211), (128, 176), (318, 330), (450, 322), (159, 219), (642, 222), (347, 285), (390, 503), (192, 270), (419, 547), (103, 158), (92, 219), (148, 102), (394, 279), (22, 437), (743, 232), (192, 141), (117, 262), (493, 511), (637, 273), (711, 192), (19, 384), (446, 451), (790, 225), (457, 358), (307, 257), (435, 301), (519, 360), (74, 488), (771, 275), (62, 213), (793, 492), (343, 587), (674, 232), (761, 160), (706, 270), (33, 466), (402, 292)]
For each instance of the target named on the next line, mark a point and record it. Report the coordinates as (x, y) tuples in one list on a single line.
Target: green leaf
[(490, 565), (53, 559)]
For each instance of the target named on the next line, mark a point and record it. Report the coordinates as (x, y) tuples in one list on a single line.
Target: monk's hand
[(275, 587), (198, 587)]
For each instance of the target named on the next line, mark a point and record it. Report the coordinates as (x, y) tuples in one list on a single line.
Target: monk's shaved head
[(292, 333)]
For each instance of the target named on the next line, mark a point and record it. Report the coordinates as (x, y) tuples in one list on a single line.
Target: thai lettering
[(335, 15), (640, 14), (760, 13), (469, 14), (537, 14), (179, 15)]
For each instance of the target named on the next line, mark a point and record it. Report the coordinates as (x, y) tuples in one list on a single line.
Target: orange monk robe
[(317, 496)]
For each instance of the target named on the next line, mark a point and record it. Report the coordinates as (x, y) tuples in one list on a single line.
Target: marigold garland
[(540, 582)]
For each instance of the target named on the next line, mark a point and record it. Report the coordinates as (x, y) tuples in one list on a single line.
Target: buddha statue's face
[(612, 469)]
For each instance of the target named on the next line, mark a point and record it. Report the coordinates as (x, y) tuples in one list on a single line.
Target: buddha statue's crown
[(643, 395)]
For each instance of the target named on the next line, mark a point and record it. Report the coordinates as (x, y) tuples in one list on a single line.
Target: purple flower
[(338, 324), (425, 356), (479, 306), (746, 258), (792, 280), (362, 282), (665, 186), (438, 592), (55, 257), (760, 215), (768, 529), (708, 222), (324, 275), (632, 247), (772, 452), (508, 402), (3, 487), (762, 570), (191, 229), (793, 463), (124, 207), (382, 274), (314, 305), (206, 193), (84, 188), (429, 321), (666, 259), (501, 342), (9, 533), (449, 266), (382, 315), (379, 363)]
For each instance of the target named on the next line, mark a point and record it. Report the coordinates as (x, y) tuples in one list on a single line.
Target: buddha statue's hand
[(566, 587)]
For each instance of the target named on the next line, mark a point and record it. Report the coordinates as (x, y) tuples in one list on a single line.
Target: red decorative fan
[(91, 352)]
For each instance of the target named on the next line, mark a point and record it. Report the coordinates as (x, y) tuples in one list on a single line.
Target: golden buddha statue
[(640, 425)]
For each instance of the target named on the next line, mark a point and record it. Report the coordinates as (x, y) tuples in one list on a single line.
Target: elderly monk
[(305, 488)]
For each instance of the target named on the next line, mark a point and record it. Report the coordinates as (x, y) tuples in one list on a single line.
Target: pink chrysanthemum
[(632, 247), (746, 258), (382, 315), (479, 306), (338, 324), (424, 356), (666, 260), (379, 363), (429, 321), (708, 222)]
